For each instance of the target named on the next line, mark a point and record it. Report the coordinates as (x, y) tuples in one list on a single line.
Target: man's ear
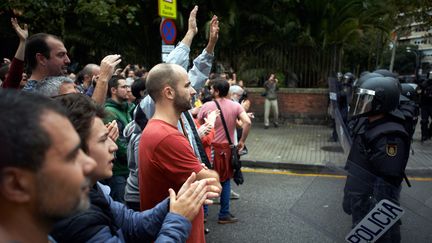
[(41, 59), (17, 185), (168, 92), (113, 91)]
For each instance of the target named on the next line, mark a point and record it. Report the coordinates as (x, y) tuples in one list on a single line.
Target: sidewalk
[(305, 148)]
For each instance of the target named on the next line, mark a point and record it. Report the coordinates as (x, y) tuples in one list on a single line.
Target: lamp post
[(418, 56)]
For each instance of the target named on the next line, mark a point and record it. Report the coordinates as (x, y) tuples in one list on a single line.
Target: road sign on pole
[(167, 8), (168, 31), (166, 49)]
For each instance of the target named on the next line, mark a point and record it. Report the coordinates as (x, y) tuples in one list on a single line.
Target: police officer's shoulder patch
[(391, 150)]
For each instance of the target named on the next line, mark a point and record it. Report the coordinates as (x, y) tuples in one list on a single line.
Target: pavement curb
[(321, 169)]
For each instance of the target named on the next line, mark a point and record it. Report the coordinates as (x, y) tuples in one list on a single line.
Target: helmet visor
[(361, 102)]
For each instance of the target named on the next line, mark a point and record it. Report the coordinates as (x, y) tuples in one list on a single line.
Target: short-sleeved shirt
[(166, 160), (231, 111)]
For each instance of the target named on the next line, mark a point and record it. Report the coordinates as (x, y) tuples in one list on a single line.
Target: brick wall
[(306, 106)]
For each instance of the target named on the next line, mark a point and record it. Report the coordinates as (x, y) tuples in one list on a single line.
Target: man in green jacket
[(119, 110)]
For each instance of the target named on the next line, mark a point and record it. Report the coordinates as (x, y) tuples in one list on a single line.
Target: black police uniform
[(426, 108), (376, 165), (410, 110)]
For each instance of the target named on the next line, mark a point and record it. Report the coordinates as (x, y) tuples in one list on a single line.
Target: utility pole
[(394, 46)]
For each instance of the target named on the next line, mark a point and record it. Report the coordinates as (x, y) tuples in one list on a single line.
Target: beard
[(182, 104), (122, 99)]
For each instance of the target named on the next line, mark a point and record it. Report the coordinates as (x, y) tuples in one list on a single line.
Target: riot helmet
[(364, 73), (375, 96), (409, 90), (365, 77), (348, 78), (339, 76), (385, 73), (401, 97)]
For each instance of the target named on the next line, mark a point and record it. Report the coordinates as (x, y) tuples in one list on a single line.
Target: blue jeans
[(205, 207), (117, 184), (225, 199)]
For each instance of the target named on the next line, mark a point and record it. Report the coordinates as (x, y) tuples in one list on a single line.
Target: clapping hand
[(113, 131), (192, 195), (211, 117)]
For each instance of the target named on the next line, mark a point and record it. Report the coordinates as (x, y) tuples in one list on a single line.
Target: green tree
[(256, 37), (92, 29)]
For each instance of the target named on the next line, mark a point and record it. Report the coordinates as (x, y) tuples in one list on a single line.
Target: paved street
[(279, 206)]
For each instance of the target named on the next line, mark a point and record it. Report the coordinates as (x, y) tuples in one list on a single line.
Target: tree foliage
[(355, 32)]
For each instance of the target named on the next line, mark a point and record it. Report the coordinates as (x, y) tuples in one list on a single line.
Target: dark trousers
[(117, 184), (426, 127)]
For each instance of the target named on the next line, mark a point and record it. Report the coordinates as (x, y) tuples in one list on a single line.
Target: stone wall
[(296, 105)]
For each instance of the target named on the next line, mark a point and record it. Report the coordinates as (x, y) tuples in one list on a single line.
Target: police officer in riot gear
[(341, 101), (379, 153), (347, 84), (365, 77), (356, 123), (426, 107), (344, 94), (409, 107)]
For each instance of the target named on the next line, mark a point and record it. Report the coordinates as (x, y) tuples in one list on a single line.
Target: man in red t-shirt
[(166, 158), (231, 111)]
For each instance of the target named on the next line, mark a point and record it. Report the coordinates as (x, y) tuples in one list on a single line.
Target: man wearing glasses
[(120, 110)]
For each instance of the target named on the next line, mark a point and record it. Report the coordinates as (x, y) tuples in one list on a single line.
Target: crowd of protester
[(116, 155)]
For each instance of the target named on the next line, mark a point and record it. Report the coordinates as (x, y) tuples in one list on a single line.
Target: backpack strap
[(224, 124)]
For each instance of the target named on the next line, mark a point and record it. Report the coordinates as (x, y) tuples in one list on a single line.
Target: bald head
[(160, 76), (87, 73), (91, 69)]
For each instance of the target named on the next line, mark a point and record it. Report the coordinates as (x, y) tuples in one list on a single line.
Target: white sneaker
[(234, 195)]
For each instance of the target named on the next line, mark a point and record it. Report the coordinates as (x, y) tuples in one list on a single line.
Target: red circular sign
[(168, 31)]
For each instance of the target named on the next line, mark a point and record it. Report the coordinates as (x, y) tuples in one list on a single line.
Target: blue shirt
[(30, 85)]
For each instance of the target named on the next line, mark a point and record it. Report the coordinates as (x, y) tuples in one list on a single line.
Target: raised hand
[(214, 34), (22, 33), (192, 24), (192, 28), (214, 29), (108, 65), (107, 68), (6, 61)]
